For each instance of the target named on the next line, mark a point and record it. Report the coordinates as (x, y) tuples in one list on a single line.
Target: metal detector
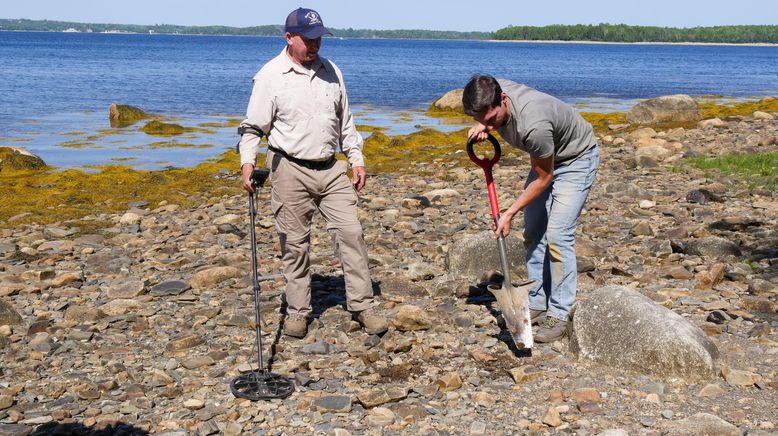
[(260, 384)]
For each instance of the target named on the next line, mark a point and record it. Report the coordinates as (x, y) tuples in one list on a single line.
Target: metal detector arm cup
[(259, 176)]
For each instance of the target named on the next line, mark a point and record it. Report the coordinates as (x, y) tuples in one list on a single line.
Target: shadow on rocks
[(480, 295), (78, 429)]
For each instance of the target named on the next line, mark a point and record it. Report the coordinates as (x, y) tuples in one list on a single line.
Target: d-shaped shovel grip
[(484, 163), (487, 165)]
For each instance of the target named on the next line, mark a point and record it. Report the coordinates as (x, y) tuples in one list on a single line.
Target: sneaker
[(296, 326), (372, 322), (551, 329), (537, 316)]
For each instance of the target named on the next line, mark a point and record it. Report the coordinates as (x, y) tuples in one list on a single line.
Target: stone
[(449, 382), (759, 115), (197, 362), (129, 219), (713, 247), (373, 398), (740, 378), (586, 395), (19, 159), (477, 428), (711, 123), (525, 374), (380, 417), (184, 341), (701, 424), (484, 399), (411, 318), (122, 115), (6, 401), (194, 404), (121, 306), (333, 403), (170, 287), (620, 328), (551, 418), (212, 276), (82, 315), (9, 315), (711, 390), (473, 255), (670, 108), (127, 290), (450, 101)]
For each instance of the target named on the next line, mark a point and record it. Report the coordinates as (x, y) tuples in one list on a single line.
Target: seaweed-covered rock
[(450, 101), (122, 115), (162, 129), (15, 158), (621, 328), (669, 108)]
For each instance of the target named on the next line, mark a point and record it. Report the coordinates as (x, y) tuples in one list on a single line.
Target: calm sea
[(55, 88)]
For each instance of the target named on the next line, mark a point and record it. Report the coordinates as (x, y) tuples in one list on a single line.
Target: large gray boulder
[(701, 424), (450, 101), (669, 108), (476, 254), (621, 328)]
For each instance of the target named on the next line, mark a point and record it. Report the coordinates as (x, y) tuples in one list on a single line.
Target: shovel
[(513, 300)]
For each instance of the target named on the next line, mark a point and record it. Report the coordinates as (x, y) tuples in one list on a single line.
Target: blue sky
[(402, 14)]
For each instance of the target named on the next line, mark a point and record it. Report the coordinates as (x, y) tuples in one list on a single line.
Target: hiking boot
[(537, 316), (296, 326), (551, 329), (373, 323)]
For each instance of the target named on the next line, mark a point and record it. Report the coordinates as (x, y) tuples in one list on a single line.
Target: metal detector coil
[(260, 384)]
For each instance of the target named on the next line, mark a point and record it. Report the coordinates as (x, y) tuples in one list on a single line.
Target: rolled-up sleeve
[(259, 115)]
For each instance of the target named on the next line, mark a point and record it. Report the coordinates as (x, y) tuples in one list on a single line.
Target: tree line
[(624, 33), (581, 32)]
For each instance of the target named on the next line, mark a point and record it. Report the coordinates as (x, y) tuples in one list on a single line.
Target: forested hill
[(579, 32), (266, 30), (624, 33)]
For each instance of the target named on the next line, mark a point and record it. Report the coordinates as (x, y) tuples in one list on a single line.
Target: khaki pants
[(297, 193)]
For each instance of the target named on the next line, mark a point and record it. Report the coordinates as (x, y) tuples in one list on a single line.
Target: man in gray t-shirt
[(564, 158)]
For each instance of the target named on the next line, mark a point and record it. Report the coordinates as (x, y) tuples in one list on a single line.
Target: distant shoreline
[(523, 41), (544, 41)]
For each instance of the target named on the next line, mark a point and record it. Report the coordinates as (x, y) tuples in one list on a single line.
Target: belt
[(310, 164)]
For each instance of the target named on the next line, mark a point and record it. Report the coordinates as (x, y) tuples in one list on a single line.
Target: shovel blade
[(514, 305)]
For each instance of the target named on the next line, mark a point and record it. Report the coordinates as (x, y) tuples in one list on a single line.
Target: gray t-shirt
[(542, 125)]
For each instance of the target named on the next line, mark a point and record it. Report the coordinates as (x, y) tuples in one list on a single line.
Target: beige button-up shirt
[(305, 110)]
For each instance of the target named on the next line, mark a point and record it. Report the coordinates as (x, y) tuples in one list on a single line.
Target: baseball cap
[(306, 22)]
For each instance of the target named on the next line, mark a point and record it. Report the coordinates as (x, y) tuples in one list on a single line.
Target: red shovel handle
[(487, 165)]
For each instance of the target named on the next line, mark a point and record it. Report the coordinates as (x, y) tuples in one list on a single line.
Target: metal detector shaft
[(252, 218)]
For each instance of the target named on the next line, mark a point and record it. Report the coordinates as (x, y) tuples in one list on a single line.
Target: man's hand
[(505, 225), (246, 171), (358, 177), (479, 132)]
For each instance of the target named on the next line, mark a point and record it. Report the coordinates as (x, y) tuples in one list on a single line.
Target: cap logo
[(313, 18)]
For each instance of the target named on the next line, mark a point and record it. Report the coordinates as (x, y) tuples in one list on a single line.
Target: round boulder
[(474, 255), (450, 101), (669, 108), (621, 328), (16, 158), (122, 115)]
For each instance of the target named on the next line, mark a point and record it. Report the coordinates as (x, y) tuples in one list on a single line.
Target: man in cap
[(299, 102), (563, 158)]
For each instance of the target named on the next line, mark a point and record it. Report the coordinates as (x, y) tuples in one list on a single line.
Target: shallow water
[(56, 88)]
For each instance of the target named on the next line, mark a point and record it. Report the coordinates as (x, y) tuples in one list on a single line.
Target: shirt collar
[(315, 65)]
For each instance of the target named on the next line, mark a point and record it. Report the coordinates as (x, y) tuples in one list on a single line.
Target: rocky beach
[(134, 321)]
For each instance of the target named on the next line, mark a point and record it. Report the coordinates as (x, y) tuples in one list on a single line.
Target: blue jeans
[(549, 235)]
